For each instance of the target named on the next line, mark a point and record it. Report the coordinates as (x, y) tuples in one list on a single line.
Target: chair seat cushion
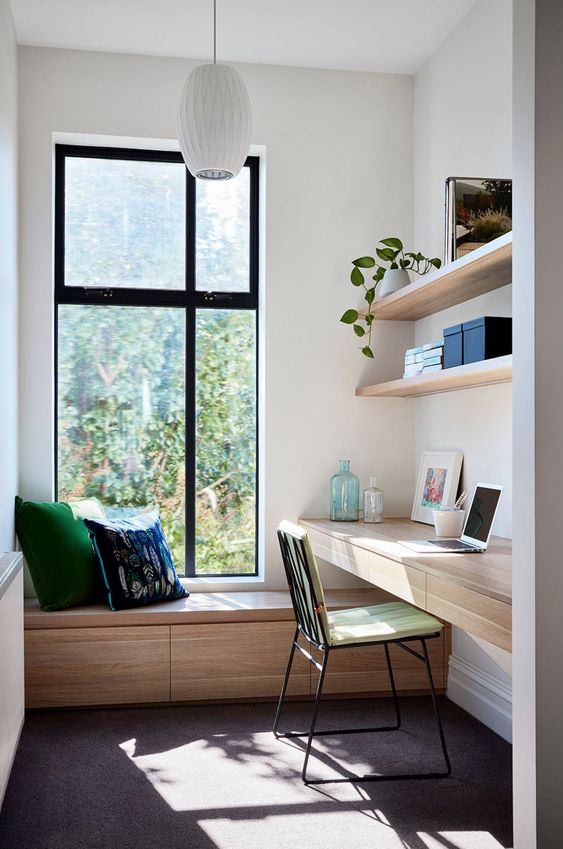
[(381, 622)]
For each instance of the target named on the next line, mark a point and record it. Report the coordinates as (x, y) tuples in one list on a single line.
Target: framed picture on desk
[(437, 485)]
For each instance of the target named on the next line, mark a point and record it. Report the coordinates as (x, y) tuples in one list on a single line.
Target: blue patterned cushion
[(135, 561)]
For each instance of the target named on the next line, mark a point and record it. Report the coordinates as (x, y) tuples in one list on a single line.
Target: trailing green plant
[(394, 256)]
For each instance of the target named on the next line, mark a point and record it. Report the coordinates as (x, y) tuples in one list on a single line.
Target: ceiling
[(360, 35)]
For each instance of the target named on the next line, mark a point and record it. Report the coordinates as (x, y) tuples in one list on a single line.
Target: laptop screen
[(482, 513)]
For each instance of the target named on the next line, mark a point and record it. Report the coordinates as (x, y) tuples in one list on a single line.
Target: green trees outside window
[(156, 349)]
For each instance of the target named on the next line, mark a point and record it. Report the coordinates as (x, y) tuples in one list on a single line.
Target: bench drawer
[(241, 661), (364, 670), (67, 667)]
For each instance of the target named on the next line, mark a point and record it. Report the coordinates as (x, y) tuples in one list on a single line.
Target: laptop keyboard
[(453, 544)]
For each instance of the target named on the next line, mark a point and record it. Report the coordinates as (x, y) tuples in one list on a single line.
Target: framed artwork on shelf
[(437, 484), (478, 210)]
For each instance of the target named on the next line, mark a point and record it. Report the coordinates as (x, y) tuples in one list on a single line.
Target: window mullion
[(190, 439)]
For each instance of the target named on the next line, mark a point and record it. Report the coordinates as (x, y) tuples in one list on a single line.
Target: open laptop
[(477, 529)]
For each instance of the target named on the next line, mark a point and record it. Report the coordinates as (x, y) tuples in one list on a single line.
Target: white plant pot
[(394, 279)]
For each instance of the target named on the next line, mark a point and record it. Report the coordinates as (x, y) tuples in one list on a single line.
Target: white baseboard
[(482, 695)]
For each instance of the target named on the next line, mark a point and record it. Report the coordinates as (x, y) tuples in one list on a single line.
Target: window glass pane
[(124, 223), (121, 410), (223, 234), (225, 441)]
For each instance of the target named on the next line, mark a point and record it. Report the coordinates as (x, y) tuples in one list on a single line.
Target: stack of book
[(429, 357)]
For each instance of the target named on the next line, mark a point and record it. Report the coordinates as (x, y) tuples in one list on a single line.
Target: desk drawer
[(479, 614), (397, 578)]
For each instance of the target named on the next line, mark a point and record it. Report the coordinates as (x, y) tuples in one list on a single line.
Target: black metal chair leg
[(312, 733), (436, 709), (393, 688), (285, 682), (314, 717)]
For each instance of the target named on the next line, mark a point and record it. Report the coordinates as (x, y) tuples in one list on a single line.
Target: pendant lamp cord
[(214, 32)]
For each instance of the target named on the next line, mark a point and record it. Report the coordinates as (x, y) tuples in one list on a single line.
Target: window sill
[(212, 584)]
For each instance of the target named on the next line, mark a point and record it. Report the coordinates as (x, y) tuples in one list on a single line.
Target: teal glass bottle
[(344, 495)]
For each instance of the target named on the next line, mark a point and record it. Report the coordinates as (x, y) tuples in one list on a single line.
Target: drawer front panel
[(364, 670), (97, 666), (245, 660), (481, 615)]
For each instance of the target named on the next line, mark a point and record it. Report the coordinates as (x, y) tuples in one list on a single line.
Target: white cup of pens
[(448, 521)]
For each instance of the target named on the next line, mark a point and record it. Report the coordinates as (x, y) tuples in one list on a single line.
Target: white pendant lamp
[(214, 119)]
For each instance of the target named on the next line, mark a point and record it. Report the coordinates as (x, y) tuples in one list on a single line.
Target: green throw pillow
[(58, 551)]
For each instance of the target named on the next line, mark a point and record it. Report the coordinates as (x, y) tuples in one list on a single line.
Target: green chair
[(383, 624)]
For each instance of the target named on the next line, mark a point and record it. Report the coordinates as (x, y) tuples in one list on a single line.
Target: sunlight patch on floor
[(246, 790), (306, 829), (461, 840), (229, 771)]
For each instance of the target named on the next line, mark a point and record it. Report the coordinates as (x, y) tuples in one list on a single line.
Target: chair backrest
[(304, 582)]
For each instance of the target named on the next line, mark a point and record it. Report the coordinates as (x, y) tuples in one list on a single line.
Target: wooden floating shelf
[(498, 370), (480, 271)]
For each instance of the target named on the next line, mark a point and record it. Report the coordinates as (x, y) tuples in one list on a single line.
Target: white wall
[(336, 143), (477, 421), (12, 708), (463, 114), (524, 615), (540, 141), (462, 127), (8, 276), (538, 408)]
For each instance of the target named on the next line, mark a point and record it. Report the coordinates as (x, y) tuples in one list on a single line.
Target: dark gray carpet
[(214, 778)]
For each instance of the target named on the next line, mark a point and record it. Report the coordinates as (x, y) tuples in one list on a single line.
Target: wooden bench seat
[(207, 647), (196, 609)]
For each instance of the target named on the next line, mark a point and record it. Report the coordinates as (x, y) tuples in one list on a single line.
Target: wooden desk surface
[(473, 591)]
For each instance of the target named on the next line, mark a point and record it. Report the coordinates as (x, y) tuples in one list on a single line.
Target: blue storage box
[(453, 346), (486, 337)]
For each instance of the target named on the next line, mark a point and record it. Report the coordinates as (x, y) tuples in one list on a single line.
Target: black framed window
[(156, 326)]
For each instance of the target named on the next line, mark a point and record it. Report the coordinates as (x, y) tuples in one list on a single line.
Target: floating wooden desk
[(473, 591)]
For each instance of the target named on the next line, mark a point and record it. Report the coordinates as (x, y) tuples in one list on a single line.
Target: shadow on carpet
[(214, 777)]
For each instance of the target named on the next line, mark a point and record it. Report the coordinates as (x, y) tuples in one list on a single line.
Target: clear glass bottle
[(344, 495), (373, 502)]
